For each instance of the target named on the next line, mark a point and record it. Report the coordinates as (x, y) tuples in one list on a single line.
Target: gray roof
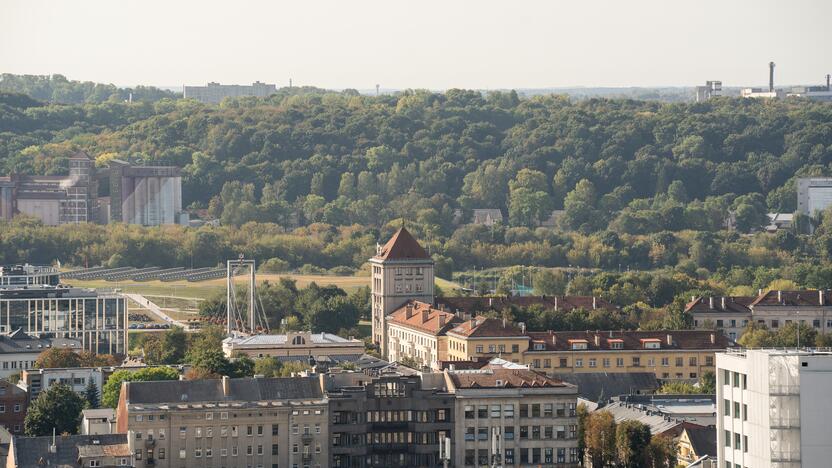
[(210, 390), (596, 385), (19, 342), (99, 413), (703, 440), (34, 451)]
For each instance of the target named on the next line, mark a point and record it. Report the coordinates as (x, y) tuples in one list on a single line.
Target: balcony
[(306, 437), (149, 443)]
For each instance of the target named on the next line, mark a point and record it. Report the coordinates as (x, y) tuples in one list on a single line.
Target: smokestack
[(828, 88), (771, 77)]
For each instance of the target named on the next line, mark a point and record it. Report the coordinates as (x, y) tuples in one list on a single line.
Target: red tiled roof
[(486, 327), (504, 378), (682, 339), (727, 304), (473, 304), (807, 297), (402, 246), (423, 317)]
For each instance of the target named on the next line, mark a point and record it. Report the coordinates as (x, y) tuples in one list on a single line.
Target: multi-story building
[(101, 451), (98, 319), (417, 331), (98, 421), (214, 93), (482, 337), (33, 381), (19, 351), (711, 89), (296, 346), (773, 309), (513, 417), (773, 408), (401, 271), (16, 276), (388, 421), (259, 422), (13, 405), (147, 195)]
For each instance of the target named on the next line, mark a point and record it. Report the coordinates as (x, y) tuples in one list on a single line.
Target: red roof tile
[(681, 339), (486, 327), (809, 298), (504, 378), (423, 317), (473, 304), (402, 246), (728, 304)]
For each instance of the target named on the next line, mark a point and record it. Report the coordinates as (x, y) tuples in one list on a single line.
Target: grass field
[(184, 290)]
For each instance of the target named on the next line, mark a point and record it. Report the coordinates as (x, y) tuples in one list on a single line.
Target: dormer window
[(651, 343), (539, 346), (616, 344), (578, 344)]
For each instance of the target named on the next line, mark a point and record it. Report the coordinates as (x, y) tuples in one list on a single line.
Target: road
[(156, 310)]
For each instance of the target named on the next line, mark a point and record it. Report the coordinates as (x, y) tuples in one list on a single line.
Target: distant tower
[(377, 87), (290, 82), (401, 270), (771, 77)]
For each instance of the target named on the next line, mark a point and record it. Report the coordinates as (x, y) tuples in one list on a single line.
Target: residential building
[(773, 408), (391, 420), (401, 271), (98, 319), (417, 331), (486, 216), (483, 337), (296, 346), (729, 314), (660, 423), (510, 417), (599, 387), (814, 194), (699, 409), (19, 351), (777, 221), (103, 451), (214, 93), (13, 405), (248, 422), (697, 444), (33, 381), (98, 421)]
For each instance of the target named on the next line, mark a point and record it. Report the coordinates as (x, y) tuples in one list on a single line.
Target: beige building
[(226, 422), (418, 331), (513, 417), (401, 271), (296, 346), (487, 337)]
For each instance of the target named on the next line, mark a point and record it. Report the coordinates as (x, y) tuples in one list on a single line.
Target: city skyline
[(541, 45)]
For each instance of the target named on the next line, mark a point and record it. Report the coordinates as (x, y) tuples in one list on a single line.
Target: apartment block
[(96, 451), (773, 408), (249, 422), (511, 416), (418, 331)]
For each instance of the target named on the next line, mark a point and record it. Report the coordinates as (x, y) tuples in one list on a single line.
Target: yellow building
[(676, 355)]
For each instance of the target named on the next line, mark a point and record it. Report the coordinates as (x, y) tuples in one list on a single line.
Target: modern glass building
[(25, 275), (97, 318)]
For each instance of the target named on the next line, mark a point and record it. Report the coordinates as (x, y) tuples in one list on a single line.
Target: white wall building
[(773, 408)]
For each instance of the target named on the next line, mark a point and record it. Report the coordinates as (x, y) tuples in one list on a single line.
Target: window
[(495, 411), (579, 362), (274, 429), (680, 362), (482, 411), (636, 361), (736, 379), (727, 438), (563, 362), (197, 452), (515, 348), (606, 362), (469, 412), (775, 324), (709, 361), (745, 443), (619, 362), (508, 433), (224, 415), (209, 416), (509, 456), (726, 405), (593, 362), (161, 454), (95, 463), (744, 412), (548, 410), (816, 323), (524, 411), (138, 454), (692, 361), (482, 433), (479, 348), (737, 409), (737, 443), (508, 411), (469, 433), (524, 432), (665, 362)]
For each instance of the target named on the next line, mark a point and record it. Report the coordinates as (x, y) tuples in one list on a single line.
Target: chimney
[(523, 327), (490, 302), (771, 77), (442, 320), (713, 338), (669, 339), (711, 302), (408, 311), (594, 304), (556, 303), (473, 323), (504, 322), (226, 390), (425, 315), (759, 292), (597, 341), (723, 302), (779, 296), (554, 339), (820, 297)]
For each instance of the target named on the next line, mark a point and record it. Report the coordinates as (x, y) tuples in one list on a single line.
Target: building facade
[(773, 408), (19, 351), (296, 346), (401, 271), (34, 381), (15, 276), (149, 196), (242, 423), (96, 451), (417, 331), (388, 421), (13, 405), (214, 93), (513, 417), (97, 319)]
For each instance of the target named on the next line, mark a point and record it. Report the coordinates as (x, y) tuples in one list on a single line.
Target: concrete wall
[(48, 211), (815, 410)]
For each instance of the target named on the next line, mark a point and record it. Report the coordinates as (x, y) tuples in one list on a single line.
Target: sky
[(430, 44)]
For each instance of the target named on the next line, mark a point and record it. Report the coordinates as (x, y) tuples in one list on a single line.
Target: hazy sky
[(420, 44)]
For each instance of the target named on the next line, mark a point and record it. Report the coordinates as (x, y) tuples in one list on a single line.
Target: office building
[(214, 93), (729, 314), (296, 346), (98, 451), (505, 416), (97, 319), (33, 381), (711, 89), (773, 408), (391, 420), (248, 422), (814, 194), (15, 276), (19, 351)]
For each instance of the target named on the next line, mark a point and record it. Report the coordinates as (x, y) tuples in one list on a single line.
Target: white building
[(19, 351), (773, 408), (98, 421), (711, 89)]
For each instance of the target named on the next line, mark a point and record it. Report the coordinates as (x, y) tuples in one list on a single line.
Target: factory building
[(149, 196), (214, 93), (815, 93), (814, 194), (711, 89)]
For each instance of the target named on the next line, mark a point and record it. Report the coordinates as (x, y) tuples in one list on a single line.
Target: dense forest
[(311, 178)]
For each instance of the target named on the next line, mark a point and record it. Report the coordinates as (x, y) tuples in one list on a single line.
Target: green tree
[(267, 366), (580, 206), (600, 440), (91, 395), (529, 199), (56, 358), (57, 408), (549, 282), (174, 343), (632, 443), (110, 391)]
